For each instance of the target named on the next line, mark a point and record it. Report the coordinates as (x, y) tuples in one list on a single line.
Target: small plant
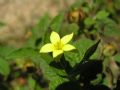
[(87, 57), (57, 45)]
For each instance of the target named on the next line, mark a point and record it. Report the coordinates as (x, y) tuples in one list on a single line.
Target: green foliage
[(6, 50), (82, 45), (117, 58), (42, 25), (22, 53), (102, 14), (31, 83), (98, 25), (50, 73), (4, 67), (69, 28), (57, 22), (90, 51), (89, 21)]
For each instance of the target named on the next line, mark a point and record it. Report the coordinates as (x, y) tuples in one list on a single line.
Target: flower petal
[(67, 38), (57, 53), (68, 47), (46, 48), (54, 37)]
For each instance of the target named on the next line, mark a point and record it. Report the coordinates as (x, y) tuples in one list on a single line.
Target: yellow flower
[(57, 45)]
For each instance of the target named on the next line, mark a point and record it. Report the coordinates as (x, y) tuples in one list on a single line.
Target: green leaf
[(4, 67), (89, 21), (96, 54), (69, 28), (77, 4), (111, 28), (117, 4), (102, 14), (57, 22), (72, 57), (73, 28), (50, 73), (30, 42), (6, 50), (31, 83), (41, 27), (117, 58), (112, 32), (91, 51), (38, 87), (82, 46), (23, 53), (97, 80)]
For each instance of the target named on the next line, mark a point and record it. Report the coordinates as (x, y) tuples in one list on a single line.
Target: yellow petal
[(68, 47), (54, 37), (46, 48), (67, 38), (57, 53)]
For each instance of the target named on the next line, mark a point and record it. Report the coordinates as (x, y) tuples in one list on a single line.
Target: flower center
[(58, 45)]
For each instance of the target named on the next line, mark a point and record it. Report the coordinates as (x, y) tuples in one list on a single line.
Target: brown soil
[(20, 15)]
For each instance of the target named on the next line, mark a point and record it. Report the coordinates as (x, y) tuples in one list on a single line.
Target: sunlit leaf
[(89, 21), (102, 14)]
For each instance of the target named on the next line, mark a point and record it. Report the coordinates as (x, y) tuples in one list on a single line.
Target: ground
[(21, 15)]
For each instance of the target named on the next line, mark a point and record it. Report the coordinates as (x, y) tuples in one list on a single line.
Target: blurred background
[(18, 16)]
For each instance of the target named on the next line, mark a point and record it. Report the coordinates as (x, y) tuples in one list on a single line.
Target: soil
[(19, 15)]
